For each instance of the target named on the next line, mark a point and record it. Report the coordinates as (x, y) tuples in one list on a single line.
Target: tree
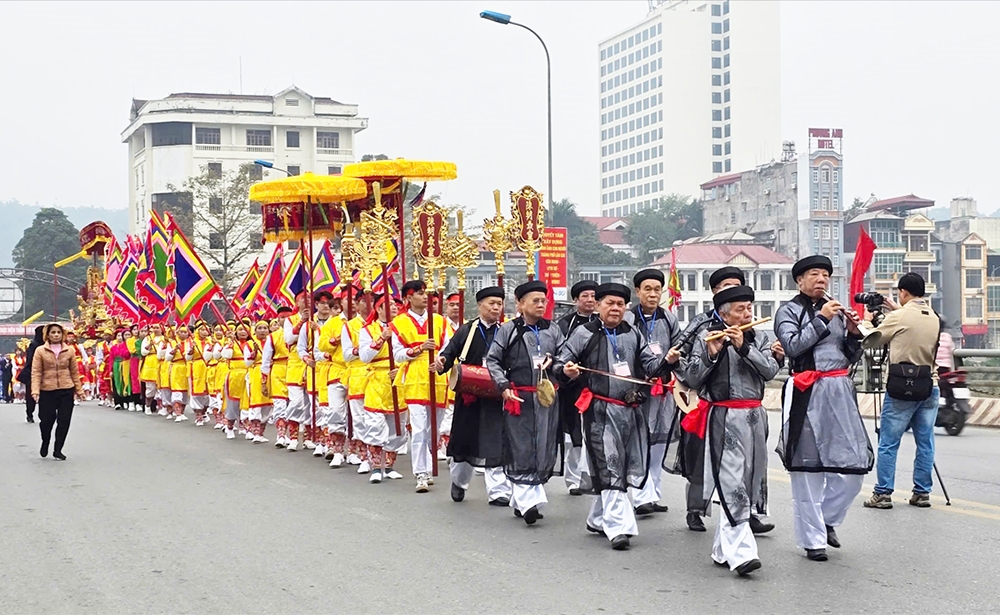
[(856, 209), (50, 238), (585, 247), (216, 214), (674, 218), (370, 157)]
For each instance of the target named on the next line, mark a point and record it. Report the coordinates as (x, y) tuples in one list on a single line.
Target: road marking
[(284, 482), (970, 509)]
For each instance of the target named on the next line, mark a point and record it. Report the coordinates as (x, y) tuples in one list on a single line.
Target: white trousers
[(358, 417), (151, 390), (576, 472), (819, 500), (420, 427), (232, 410), (497, 485), (380, 430), (612, 512), (449, 414), (199, 402), (215, 403), (259, 413), (523, 497), (165, 395), (651, 492), (336, 416), (299, 405), (179, 397), (733, 545), (279, 409)]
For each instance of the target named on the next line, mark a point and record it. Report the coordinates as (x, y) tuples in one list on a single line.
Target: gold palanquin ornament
[(528, 213), (285, 201), (430, 234), (498, 234)]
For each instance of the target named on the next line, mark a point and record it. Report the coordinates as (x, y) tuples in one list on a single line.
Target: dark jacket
[(25, 376)]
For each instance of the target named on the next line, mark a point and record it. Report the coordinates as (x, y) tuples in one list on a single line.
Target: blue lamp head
[(264, 163), (495, 16)]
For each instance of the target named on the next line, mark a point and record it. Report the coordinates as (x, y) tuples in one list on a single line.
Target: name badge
[(655, 347), (537, 361), (621, 369)]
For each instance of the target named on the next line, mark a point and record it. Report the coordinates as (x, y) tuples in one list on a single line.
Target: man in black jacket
[(575, 470), (25, 376)]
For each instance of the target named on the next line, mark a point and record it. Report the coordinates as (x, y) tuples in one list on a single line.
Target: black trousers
[(29, 401), (55, 408)]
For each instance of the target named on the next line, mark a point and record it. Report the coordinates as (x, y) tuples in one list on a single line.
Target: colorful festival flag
[(673, 283), (293, 282), (261, 299), (243, 290), (194, 286), (325, 275)]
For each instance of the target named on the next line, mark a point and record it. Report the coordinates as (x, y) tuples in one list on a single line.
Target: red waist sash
[(696, 421), (804, 380)]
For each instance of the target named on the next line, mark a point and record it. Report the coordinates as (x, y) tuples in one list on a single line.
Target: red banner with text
[(553, 262)]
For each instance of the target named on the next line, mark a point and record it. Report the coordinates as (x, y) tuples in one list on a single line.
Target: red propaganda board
[(553, 262)]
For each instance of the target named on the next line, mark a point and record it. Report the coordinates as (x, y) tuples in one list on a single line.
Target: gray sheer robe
[(822, 430), (736, 439), (530, 439), (616, 436), (660, 329)]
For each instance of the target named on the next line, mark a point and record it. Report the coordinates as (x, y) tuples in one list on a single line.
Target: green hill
[(17, 216)]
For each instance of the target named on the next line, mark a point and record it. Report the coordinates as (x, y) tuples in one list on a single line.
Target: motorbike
[(953, 407)]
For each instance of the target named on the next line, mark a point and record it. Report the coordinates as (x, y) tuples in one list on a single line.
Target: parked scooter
[(953, 407)]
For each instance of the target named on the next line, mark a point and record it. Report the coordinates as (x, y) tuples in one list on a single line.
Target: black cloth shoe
[(759, 527), (695, 522), (517, 513), (721, 564), (831, 537), (531, 515), (747, 567), (501, 501), (620, 543), (44, 451), (594, 530), (658, 508), (457, 493), (576, 491), (816, 555), (59, 456), (30, 418), (644, 509)]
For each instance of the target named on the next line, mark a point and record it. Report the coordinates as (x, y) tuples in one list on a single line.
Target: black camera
[(872, 300)]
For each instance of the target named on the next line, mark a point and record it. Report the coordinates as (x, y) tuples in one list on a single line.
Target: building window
[(716, 167), (255, 209), (716, 98), (592, 276), (824, 175), (328, 140), (732, 217), (334, 170), (207, 136), (716, 133), (836, 176), (258, 138), (973, 279), (171, 133), (294, 169), (993, 298), (256, 172), (887, 265), (765, 310), (717, 150), (215, 241), (973, 253), (217, 274), (256, 240), (292, 139), (826, 231), (974, 307), (215, 206), (766, 280)]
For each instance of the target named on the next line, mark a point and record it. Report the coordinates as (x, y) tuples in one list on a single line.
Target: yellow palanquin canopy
[(416, 170), (308, 187)]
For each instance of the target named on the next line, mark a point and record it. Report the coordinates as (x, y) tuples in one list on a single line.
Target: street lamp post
[(270, 165), (503, 19)]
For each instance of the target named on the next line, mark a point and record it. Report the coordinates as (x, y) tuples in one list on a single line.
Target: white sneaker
[(353, 459), (219, 426), (422, 483), (430, 478), (197, 423), (338, 460), (309, 444), (148, 412), (376, 477), (319, 452), (293, 446), (230, 434), (256, 440), (161, 412), (249, 436), (261, 440), (442, 455), (101, 403), (393, 474), (280, 442), (480, 471), (364, 468), (180, 418), (170, 416)]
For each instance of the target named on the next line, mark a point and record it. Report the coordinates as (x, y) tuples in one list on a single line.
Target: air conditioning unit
[(727, 198), (794, 186), (767, 191)]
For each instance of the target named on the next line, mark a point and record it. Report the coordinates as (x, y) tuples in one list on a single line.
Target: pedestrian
[(25, 376), (522, 351), (731, 373), (6, 375), (477, 425), (615, 427), (55, 383), (659, 329), (912, 331), (824, 444), (575, 471)]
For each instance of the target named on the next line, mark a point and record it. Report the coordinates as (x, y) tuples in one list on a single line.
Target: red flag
[(862, 261), (673, 283), (550, 301)]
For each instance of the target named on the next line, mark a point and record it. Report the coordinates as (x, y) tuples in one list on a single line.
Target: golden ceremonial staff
[(528, 212)]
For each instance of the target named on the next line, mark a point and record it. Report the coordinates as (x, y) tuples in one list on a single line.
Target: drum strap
[(468, 344)]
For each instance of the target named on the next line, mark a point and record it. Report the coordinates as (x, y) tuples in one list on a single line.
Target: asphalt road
[(154, 517)]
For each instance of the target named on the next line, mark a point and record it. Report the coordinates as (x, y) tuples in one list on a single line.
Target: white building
[(769, 273), (692, 91), (177, 137)]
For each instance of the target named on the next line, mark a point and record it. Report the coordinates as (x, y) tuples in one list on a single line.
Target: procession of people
[(599, 383)]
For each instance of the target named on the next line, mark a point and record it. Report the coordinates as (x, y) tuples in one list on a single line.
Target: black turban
[(535, 286), (732, 294)]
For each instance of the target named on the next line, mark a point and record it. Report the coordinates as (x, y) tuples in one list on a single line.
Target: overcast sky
[(911, 83)]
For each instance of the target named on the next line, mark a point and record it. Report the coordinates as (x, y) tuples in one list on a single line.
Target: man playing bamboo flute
[(824, 445), (730, 373), (522, 350), (659, 329), (614, 423), (477, 426)]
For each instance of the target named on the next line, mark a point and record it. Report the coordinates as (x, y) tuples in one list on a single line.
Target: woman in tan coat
[(55, 383)]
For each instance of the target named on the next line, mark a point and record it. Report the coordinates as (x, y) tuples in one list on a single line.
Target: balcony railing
[(920, 256), (256, 149), (890, 245), (326, 151)]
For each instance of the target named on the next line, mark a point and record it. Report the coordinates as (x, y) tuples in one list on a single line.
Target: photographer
[(911, 330)]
